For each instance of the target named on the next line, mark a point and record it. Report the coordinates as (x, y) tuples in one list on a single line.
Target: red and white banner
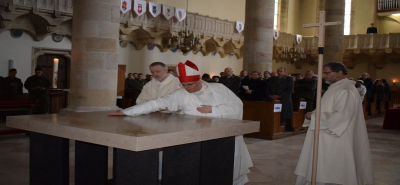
[(299, 38), (126, 6), (168, 12), (276, 34), (154, 9), (139, 7), (180, 14), (239, 26)]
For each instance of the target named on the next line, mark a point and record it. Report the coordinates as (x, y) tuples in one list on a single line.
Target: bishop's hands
[(119, 113), (205, 109), (308, 115)]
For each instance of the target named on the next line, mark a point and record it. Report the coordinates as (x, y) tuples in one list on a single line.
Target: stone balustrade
[(377, 48), (64, 6)]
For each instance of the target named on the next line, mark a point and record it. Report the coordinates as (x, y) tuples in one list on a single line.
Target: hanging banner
[(239, 26), (168, 12), (299, 38), (139, 7), (154, 9), (276, 34), (126, 6), (180, 14)]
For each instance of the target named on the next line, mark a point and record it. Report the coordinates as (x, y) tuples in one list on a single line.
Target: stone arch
[(162, 41), (210, 46), (38, 51), (35, 25), (228, 48), (139, 38)]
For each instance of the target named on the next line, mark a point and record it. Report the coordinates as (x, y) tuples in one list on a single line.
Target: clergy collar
[(160, 83), (203, 87)]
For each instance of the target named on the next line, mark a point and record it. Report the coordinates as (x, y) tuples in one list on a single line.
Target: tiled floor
[(274, 161)]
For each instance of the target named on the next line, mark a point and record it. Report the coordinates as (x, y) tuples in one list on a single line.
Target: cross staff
[(321, 42)]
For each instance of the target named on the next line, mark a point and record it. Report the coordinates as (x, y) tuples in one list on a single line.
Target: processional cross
[(321, 43)]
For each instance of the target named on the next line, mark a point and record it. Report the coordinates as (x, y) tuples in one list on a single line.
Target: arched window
[(347, 17), (276, 14)]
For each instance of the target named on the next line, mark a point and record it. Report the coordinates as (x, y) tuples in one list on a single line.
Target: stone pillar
[(258, 35), (334, 34), (94, 56), (283, 16)]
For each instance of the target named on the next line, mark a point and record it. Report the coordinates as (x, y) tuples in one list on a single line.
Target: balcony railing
[(372, 41), (388, 5)]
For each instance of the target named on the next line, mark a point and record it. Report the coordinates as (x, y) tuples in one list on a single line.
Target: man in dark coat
[(36, 85), (12, 87), (129, 82), (281, 88), (305, 88), (230, 80), (369, 85), (137, 86), (372, 29), (254, 88)]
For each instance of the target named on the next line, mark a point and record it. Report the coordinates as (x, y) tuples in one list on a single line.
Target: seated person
[(36, 86), (254, 88), (12, 87)]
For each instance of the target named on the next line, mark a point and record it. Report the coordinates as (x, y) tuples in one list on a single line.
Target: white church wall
[(20, 50), (138, 60)]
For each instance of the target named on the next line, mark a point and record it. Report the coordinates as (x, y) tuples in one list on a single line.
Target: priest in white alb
[(344, 155), (161, 85), (197, 97)]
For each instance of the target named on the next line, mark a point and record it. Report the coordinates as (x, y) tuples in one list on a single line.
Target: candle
[(55, 72)]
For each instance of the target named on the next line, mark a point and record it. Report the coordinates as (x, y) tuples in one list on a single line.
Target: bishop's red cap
[(188, 72)]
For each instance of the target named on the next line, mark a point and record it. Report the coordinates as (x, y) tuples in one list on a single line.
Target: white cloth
[(224, 104), (153, 89), (344, 155), (362, 91)]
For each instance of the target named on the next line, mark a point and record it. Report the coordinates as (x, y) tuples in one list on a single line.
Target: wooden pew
[(364, 105), (373, 102), (270, 121), (383, 104), (298, 115)]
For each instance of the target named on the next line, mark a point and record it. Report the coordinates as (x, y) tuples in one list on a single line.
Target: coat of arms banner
[(168, 12), (126, 6), (180, 14), (154, 9), (140, 7), (239, 26)]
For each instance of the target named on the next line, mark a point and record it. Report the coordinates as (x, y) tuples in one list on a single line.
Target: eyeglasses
[(187, 85)]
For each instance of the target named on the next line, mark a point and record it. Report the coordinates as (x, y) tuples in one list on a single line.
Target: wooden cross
[(321, 43)]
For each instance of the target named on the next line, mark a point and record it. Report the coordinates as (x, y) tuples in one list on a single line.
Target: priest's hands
[(205, 109), (308, 115), (119, 113)]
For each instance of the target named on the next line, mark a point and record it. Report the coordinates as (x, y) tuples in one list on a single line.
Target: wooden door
[(121, 80)]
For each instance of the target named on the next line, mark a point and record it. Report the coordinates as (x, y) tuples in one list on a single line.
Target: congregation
[(269, 86)]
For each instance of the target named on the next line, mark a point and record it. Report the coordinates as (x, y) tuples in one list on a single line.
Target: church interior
[(86, 49)]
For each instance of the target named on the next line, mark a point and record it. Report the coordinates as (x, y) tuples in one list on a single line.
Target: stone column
[(283, 16), (334, 34), (258, 35), (94, 56)]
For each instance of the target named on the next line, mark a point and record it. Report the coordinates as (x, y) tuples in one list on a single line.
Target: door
[(121, 80)]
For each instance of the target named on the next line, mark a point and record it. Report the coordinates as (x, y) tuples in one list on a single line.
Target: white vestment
[(224, 104), (344, 155), (153, 89)]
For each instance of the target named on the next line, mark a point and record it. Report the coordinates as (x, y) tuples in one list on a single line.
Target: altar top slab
[(155, 130)]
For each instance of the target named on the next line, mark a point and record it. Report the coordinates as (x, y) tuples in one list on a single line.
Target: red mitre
[(188, 72)]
